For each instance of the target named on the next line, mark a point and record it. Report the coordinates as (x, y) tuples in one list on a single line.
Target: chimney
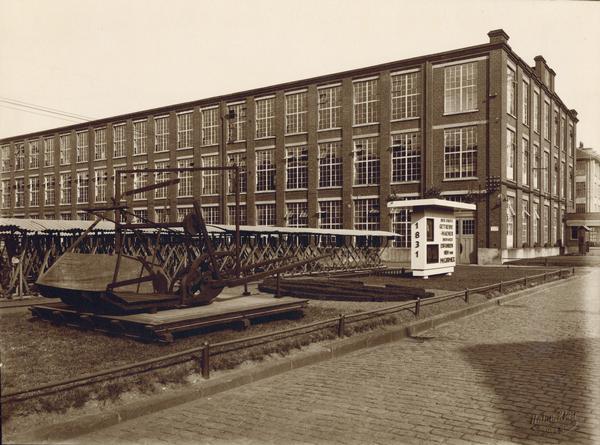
[(498, 36), (544, 72)]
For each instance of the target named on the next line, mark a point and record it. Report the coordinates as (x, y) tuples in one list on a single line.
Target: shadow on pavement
[(543, 389)]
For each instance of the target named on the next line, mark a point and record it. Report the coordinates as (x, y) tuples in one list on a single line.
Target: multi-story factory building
[(331, 151)]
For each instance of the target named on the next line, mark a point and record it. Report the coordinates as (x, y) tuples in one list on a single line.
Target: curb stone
[(79, 426)]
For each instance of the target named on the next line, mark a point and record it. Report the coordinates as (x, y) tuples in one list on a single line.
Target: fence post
[(500, 287), (545, 276), (418, 307), (573, 271), (466, 295), (525, 280), (341, 325), (206, 360)]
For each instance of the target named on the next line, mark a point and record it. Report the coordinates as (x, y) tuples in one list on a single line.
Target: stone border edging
[(91, 422)]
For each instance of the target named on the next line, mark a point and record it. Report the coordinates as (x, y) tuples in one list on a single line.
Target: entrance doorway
[(465, 241)]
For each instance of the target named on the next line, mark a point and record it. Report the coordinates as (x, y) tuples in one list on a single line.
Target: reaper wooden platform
[(162, 325)]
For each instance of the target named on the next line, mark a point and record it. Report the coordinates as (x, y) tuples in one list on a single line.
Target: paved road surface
[(526, 372)]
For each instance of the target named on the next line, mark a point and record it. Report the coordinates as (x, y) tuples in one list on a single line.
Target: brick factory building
[(475, 124)]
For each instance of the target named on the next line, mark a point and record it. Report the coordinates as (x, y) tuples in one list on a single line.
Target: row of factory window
[(460, 95), (534, 169), (540, 223), (460, 162), (561, 128)]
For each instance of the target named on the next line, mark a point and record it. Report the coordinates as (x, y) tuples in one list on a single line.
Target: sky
[(99, 58)]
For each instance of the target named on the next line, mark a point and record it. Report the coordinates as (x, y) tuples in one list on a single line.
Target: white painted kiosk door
[(465, 241)]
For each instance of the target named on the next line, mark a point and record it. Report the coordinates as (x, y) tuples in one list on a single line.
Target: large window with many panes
[(99, 144), (511, 91), (20, 192), (161, 214), (211, 214), (525, 163), (82, 146), (366, 214), (119, 141), (265, 115), (547, 118), (295, 112), (330, 214), (525, 222), (65, 149), (48, 152), (239, 159), (49, 184), (5, 158), (536, 166), (460, 88), (401, 227), (536, 111), (237, 122), (161, 133), (406, 157), (139, 137), (511, 152), (296, 167), (210, 126), (297, 214), (184, 187), (210, 178), (65, 188), (545, 171), (366, 161), (525, 103), (34, 191), (265, 214), (5, 193), (100, 180), (231, 214), (34, 154), (460, 153), (330, 164), (265, 170), (366, 101), (329, 107), (184, 130), (19, 156), (82, 186), (160, 177), (405, 95), (140, 180)]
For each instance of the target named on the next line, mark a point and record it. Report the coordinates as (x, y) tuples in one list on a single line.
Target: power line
[(44, 109), (40, 114)]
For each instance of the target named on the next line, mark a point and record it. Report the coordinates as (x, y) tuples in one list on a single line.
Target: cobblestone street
[(525, 372)]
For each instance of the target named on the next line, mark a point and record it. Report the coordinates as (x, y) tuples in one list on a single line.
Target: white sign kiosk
[(433, 242)]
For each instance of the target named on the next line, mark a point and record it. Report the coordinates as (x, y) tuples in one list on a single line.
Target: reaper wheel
[(197, 285)]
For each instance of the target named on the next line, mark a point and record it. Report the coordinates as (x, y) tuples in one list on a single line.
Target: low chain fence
[(204, 354)]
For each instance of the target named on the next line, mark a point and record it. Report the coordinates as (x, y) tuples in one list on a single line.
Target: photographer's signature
[(558, 422)]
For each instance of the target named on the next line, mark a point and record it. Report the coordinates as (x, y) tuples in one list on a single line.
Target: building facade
[(587, 199), (331, 151)]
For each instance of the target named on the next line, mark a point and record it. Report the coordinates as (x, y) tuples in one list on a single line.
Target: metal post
[(418, 307), (277, 292), (466, 295), (341, 325), (206, 360), (525, 280), (500, 287), (573, 271), (237, 225)]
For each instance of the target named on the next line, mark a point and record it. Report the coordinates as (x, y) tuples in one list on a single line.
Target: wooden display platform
[(161, 326)]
